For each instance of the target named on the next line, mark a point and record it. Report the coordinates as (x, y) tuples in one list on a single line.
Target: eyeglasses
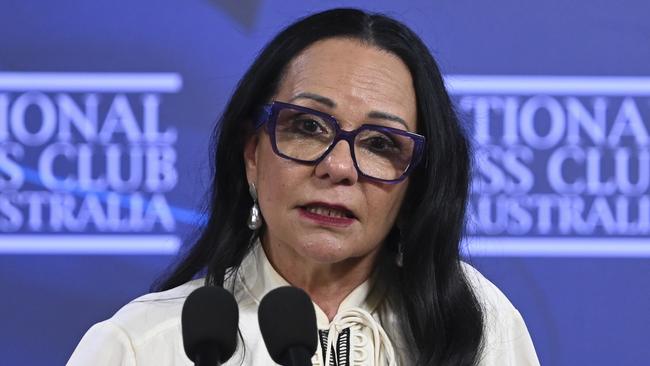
[(306, 135)]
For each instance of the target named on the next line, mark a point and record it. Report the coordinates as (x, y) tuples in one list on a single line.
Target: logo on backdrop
[(86, 153), (558, 156)]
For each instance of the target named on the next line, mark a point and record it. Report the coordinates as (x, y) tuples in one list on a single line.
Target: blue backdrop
[(105, 114)]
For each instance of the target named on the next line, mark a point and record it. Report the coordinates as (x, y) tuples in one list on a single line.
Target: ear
[(250, 158)]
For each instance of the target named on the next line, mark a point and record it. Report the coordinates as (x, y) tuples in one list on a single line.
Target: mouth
[(324, 209), (328, 214)]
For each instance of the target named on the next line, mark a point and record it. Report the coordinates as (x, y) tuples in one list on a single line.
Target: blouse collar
[(259, 277)]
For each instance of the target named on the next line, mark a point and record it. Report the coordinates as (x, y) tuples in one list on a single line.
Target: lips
[(329, 210), (328, 214)]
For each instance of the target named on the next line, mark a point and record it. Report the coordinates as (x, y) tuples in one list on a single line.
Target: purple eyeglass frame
[(270, 113)]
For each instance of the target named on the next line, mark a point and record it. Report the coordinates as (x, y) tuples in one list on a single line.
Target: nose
[(338, 165)]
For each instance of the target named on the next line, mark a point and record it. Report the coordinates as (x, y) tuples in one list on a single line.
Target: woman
[(343, 170)]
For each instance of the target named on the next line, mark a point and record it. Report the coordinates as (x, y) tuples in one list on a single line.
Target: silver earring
[(255, 217), (399, 258)]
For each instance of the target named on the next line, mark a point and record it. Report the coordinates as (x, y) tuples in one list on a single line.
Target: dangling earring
[(255, 217), (399, 258)]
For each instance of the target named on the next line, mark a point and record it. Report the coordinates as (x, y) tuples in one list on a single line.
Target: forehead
[(357, 77)]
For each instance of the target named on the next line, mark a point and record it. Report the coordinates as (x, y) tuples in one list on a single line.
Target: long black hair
[(438, 310)]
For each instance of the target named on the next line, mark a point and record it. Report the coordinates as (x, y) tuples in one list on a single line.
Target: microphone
[(209, 325), (288, 324)]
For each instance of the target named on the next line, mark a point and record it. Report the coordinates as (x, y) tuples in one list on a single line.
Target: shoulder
[(154, 312), (146, 331), (506, 336), (490, 296)]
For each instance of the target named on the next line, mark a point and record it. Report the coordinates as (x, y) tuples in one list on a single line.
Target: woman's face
[(327, 213)]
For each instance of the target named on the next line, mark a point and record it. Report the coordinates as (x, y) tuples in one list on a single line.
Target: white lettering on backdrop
[(86, 153)]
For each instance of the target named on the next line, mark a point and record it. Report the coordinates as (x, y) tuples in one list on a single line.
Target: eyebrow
[(331, 104), (315, 97), (388, 116)]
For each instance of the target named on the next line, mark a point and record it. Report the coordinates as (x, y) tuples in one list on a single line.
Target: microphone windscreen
[(209, 324), (287, 320)]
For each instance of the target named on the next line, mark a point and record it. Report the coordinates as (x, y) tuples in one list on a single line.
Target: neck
[(327, 284)]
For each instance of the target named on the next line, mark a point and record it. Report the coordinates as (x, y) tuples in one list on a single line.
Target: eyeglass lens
[(379, 153)]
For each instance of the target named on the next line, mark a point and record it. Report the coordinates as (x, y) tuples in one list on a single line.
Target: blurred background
[(106, 108)]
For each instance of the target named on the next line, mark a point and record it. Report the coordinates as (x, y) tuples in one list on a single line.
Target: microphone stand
[(296, 356), (207, 357)]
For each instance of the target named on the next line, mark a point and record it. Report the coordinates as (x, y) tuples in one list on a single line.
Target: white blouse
[(147, 331)]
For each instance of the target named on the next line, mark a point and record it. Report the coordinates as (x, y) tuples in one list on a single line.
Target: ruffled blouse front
[(147, 331)]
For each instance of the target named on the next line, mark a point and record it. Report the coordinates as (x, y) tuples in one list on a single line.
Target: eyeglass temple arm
[(263, 116), (420, 151)]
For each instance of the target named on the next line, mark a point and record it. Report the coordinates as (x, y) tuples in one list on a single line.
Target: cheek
[(384, 205), (271, 182), (269, 165), (277, 180)]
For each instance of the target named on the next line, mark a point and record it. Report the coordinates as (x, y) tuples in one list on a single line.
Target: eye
[(379, 143), (307, 125)]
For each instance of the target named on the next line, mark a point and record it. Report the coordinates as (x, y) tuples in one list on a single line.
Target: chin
[(324, 251)]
